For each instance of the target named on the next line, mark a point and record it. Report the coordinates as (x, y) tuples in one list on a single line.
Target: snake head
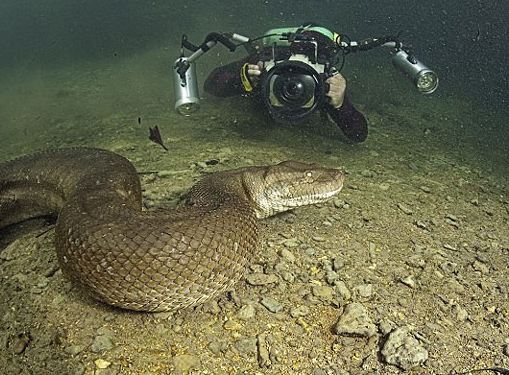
[(290, 184)]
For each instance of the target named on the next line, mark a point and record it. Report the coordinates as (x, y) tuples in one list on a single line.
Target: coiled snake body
[(159, 260)]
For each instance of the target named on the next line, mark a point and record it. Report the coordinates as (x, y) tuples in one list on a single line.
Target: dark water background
[(465, 42)]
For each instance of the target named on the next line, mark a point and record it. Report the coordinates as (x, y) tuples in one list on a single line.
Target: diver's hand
[(254, 72), (337, 88)]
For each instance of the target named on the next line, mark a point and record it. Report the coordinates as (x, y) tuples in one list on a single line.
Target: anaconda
[(159, 260)]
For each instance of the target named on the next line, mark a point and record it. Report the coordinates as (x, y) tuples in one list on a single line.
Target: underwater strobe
[(187, 98), (423, 78)]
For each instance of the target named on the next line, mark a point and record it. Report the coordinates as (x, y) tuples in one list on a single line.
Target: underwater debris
[(155, 136)]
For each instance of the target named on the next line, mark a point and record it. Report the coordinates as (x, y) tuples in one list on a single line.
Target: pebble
[(355, 321), (271, 304), (232, 325), (247, 347), (460, 313), (261, 279), (426, 189), (338, 264), (324, 293), (102, 342), (408, 281), (185, 362), (299, 311), (263, 352), (287, 255), (403, 350), (291, 242), (481, 267), (342, 290), (19, 343), (363, 291), (405, 209), (102, 363), (246, 312)]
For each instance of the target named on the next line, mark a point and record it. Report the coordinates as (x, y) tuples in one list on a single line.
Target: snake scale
[(159, 260)]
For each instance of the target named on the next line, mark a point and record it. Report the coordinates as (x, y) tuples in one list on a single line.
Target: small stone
[(460, 313), (74, 349), (481, 267), (318, 238), (271, 304), (102, 363), (324, 293), (405, 209), (299, 311), (185, 362), (287, 255), (291, 242), (403, 350), (263, 352), (342, 290), (338, 264), (367, 173), (363, 291), (246, 312), (247, 346), (426, 189), (355, 321), (232, 325), (408, 281), (19, 343), (101, 343), (261, 279)]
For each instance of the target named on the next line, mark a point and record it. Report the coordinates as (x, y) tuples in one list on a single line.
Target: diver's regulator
[(294, 86)]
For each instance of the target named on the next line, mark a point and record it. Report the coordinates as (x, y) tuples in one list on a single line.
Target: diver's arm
[(350, 120)]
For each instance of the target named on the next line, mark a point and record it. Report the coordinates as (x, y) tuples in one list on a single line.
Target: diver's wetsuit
[(225, 81)]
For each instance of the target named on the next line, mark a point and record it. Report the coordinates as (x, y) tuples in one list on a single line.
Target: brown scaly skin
[(161, 260)]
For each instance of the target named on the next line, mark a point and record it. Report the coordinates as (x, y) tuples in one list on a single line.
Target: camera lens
[(294, 90)]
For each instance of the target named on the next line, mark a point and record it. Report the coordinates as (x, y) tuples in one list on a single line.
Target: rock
[(481, 267), (403, 350), (405, 209), (363, 291), (246, 312), (271, 304), (299, 311), (185, 362), (232, 325), (102, 363), (258, 279), (291, 242), (342, 290), (323, 293), (101, 343), (263, 352), (247, 347), (355, 322), (408, 281), (287, 255)]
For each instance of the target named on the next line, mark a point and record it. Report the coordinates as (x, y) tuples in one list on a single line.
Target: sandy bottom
[(417, 240)]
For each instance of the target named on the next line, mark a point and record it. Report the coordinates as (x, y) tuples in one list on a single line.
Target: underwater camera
[(293, 87), (293, 80)]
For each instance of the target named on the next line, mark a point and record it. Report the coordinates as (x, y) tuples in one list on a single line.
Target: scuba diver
[(243, 77), (294, 72)]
